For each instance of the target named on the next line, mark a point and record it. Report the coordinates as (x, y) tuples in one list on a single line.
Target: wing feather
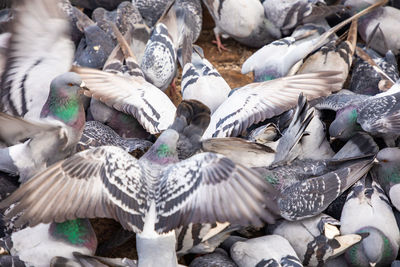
[(208, 188), (134, 96), (100, 182), (259, 101)]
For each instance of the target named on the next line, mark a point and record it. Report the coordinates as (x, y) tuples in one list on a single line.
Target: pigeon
[(143, 195), (289, 13), (124, 17), (365, 80), (40, 50), (36, 246), (159, 59), (181, 20), (151, 10), (95, 47), (132, 95), (272, 250), (96, 134), (307, 187), (284, 53), (219, 258), (317, 239), (256, 102), (36, 144), (242, 20), (385, 21), (367, 210), (386, 173), (253, 154), (123, 63), (333, 57), (200, 80), (377, 115)]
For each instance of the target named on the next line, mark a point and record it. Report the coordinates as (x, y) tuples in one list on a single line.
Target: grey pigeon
[(378, 28), (284, 53), (251, 154), (386, 173), (36, 246), (272, 250), (308, 187), (200, 79), (316, 239), (367, 210), (124, 17), (333, 56), (151, 10), (39, 44), (365, 80), (256, 102), (121, 62), (36, 144), (376, 115), (287, 14), (242, 20), (141, 194), (95, 46)]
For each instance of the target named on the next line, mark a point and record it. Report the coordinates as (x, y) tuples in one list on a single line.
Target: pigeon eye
[(385, 160), (70, 84)]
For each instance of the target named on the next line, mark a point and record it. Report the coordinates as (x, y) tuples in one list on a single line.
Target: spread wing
[(208, 188), (259, 101), (134, 96), (101, 182), (39, 50)]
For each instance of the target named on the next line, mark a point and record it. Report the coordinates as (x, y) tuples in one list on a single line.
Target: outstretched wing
[(100, 182), (39, 50), (259, 101), (209, 188), (148, 104)]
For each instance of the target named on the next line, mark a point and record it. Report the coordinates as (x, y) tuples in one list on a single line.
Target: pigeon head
[(345, 124), (64, 102), (375, 249), (388, 155), (164, 149)]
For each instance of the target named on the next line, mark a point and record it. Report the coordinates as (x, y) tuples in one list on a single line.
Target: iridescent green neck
[(76, 232), (67, 110), (162, 154), (353, 116)]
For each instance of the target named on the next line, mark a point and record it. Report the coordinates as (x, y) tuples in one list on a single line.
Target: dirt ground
[(228, 63)]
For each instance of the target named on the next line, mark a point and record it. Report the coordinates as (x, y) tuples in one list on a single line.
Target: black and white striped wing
[(100, 182), (148, 104), (259, 101), (338, 101), (39, 50), (209, 188)]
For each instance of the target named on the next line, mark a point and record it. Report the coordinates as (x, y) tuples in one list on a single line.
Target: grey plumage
[(367, 210), (256, 102), (242, 20), (97, 134), (270, 250), (219, 258), (308, 187), (317, 239), (365, 80)]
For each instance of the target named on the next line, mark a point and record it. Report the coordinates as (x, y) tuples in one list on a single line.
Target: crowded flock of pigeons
[(291, 170)]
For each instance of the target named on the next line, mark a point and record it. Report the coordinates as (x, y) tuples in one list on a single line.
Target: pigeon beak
[(376, 160), (83, 88), (346, 241)]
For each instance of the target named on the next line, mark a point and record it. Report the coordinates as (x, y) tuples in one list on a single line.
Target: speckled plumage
[(365, 80)]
